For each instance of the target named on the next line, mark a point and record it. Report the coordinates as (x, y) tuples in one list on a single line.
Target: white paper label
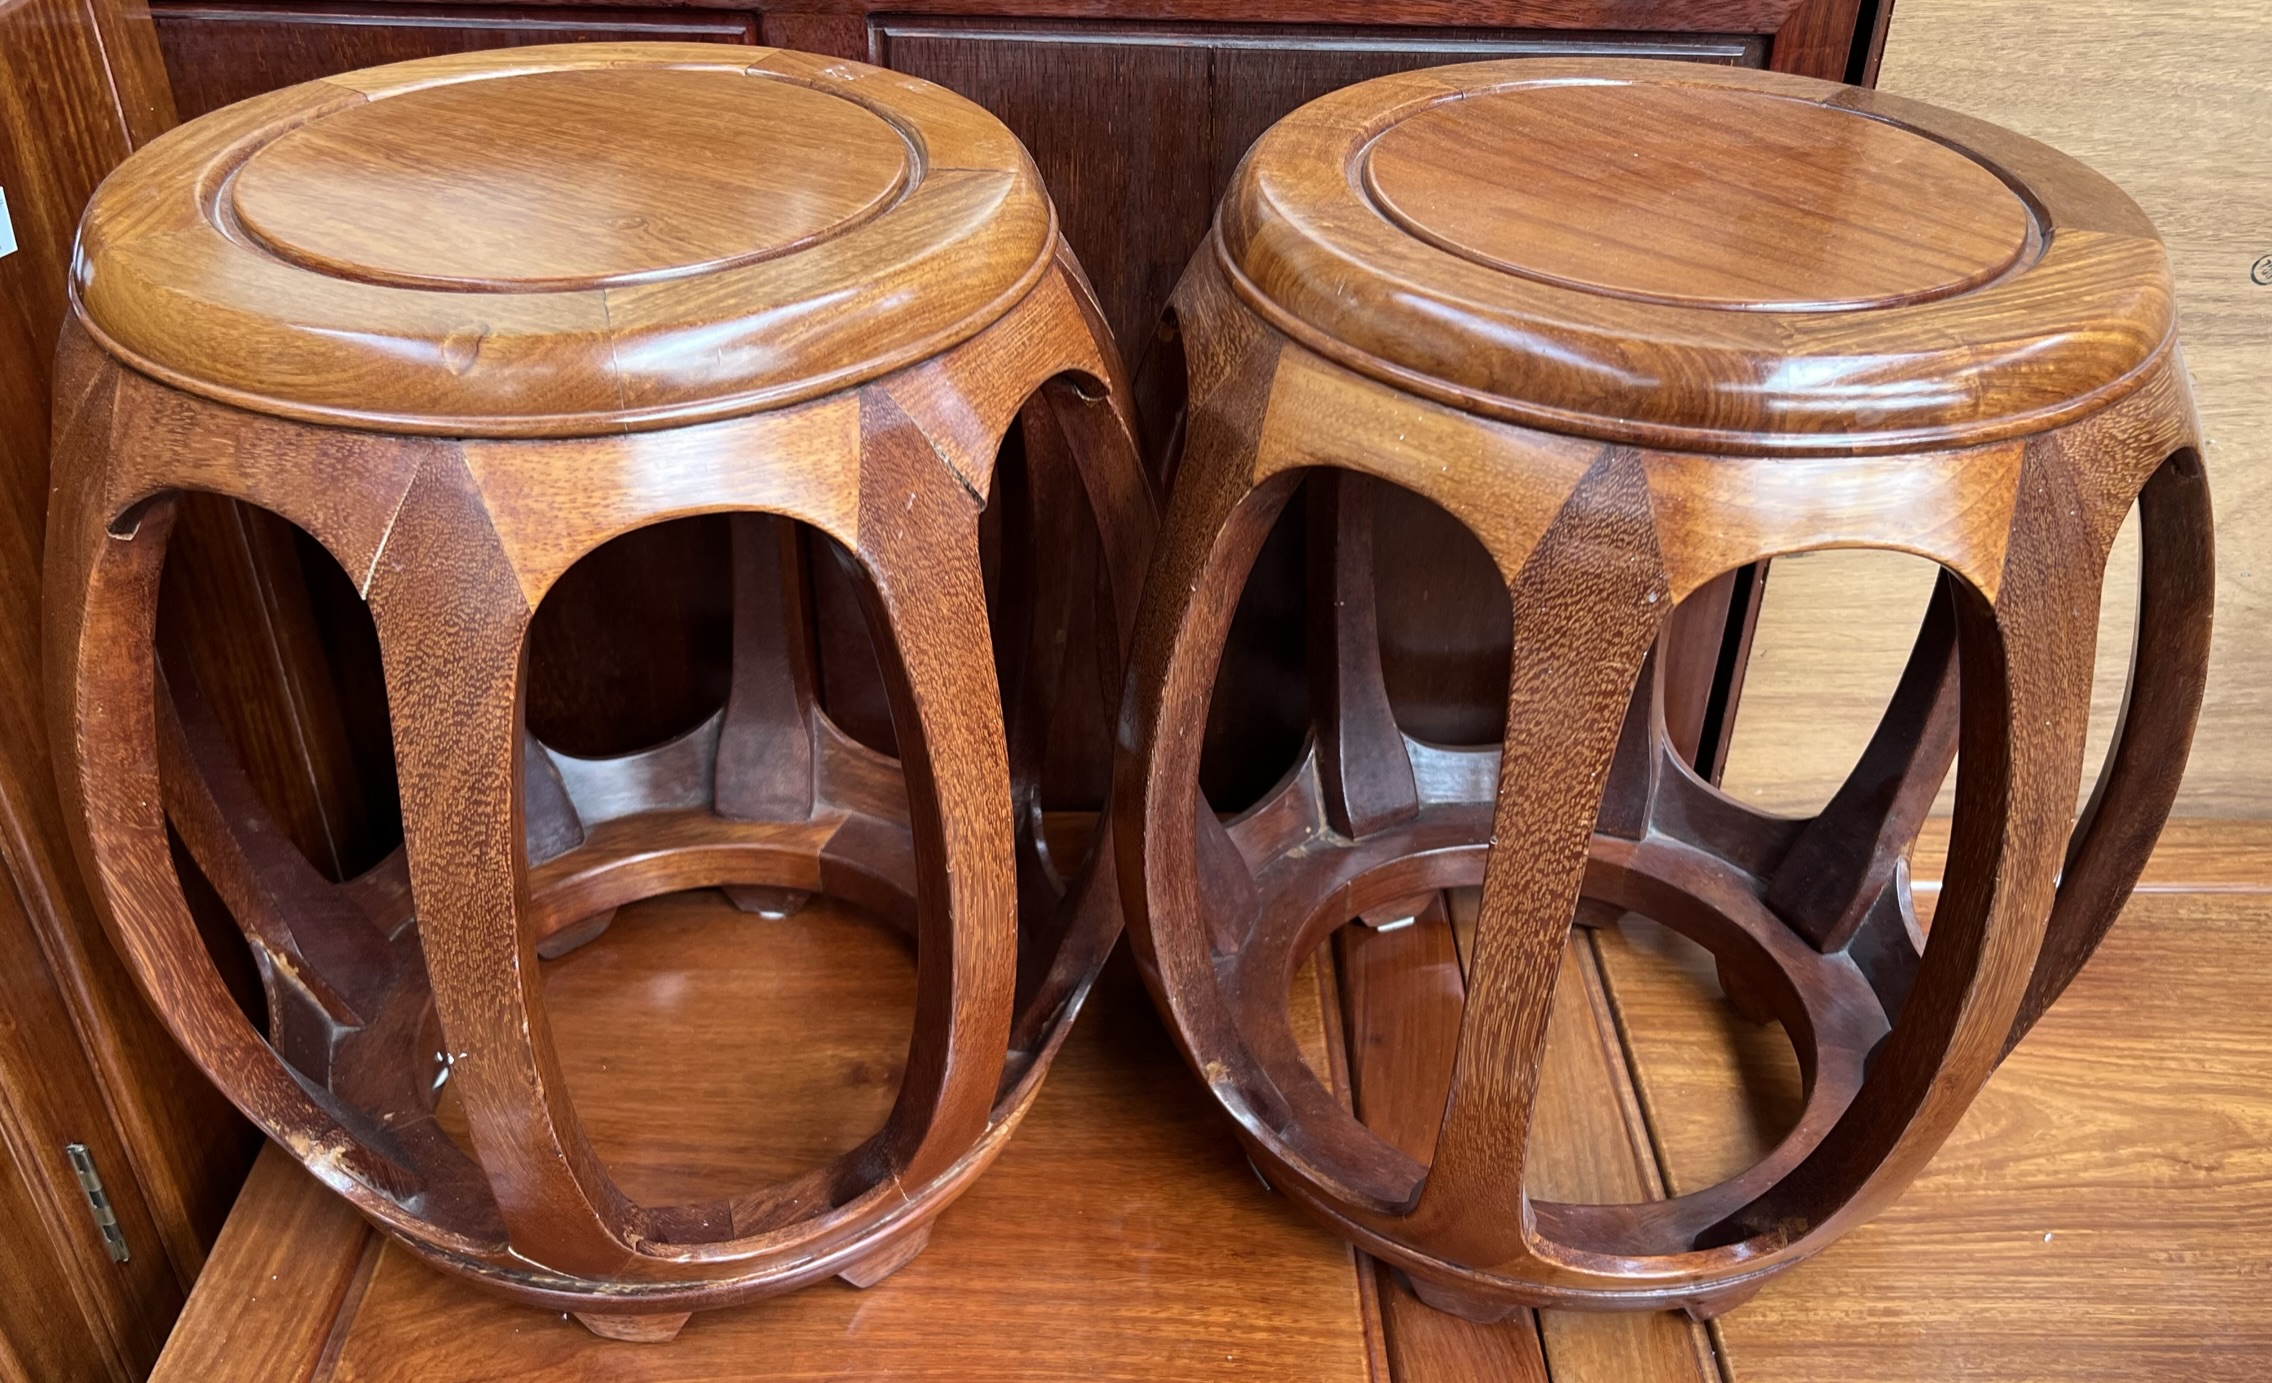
[(7, 228)]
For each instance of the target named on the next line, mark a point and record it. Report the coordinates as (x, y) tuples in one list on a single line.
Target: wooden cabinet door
[(218, 54)]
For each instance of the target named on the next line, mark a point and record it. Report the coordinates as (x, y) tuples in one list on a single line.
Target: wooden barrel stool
[(1635, 325), (463, 321)]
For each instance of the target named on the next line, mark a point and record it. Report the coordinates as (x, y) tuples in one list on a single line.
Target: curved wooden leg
[(765, 742), (1364, 774), (452, 620), (918, 538), (2025, 673), (1587, 607), (1846, 857), (2169, 665), (1176, 865)]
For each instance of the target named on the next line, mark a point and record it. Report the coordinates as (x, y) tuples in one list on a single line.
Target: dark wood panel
[(1136, 128), (81, 1058), (223, 53)]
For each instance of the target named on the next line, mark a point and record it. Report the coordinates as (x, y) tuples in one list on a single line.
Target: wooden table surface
[(2105, 1210)]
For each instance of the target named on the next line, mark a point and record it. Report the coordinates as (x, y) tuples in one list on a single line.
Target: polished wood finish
[(2126, 1128), (878, 430), (1120, 1236), (304, 312), (1480, 309), (1165, 94), (1340, 343), (2166, 103)]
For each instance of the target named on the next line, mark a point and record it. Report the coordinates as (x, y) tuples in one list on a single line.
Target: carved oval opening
[(740, 896)]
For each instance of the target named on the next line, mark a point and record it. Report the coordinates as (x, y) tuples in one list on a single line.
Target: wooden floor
[(2105, 1211)]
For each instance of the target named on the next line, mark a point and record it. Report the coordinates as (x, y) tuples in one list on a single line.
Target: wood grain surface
[(2167, 101), (1355, 324), (82, 1059), (2006, 324), (2130, 1133), (1551, 183), (1123, 1236), (367, 287), (2101, 1212)]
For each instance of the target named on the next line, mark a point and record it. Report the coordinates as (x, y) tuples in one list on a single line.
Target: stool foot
[(573, 935), (1749, 998), (1455, 1301), (639, 1330), (765, 900), (877, 1266)]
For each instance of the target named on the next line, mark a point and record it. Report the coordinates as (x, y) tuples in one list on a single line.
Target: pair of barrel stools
[(1632, 324)]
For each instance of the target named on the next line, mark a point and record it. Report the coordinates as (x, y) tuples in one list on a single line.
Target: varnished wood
[(2123, 1127), (1524, 341), (82, 1059), (1106, 93), (1364, 310), (1680, 237), (2096, 1213), (313, 319), (428, 973), (1180, 1270)]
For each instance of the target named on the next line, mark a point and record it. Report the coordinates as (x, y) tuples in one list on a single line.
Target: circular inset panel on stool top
[(574, 241), (502, 187), (1542, 181), (1672, 255)]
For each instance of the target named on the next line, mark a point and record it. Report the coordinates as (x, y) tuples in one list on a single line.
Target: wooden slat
[(2101, 1212), (1588, 1147), (1403, 996), (279, 1279)]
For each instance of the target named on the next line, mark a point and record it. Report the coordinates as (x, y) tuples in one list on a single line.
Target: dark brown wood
[(409, 1053), (221, 53), (82, 1060), (1455, 297)]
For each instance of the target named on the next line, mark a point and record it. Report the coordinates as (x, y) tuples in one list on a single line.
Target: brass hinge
[(91, 1182)]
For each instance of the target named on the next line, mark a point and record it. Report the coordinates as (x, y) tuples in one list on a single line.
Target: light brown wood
[(2097, 1214), (2167, 101), (82, 1059), (429, 972), (2027, 329), (1576, 199), (317, 292), (519, 197), (1614, 454)]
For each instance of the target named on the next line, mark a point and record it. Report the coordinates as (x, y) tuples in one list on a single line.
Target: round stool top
[(1675, 255), (558, 241)]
